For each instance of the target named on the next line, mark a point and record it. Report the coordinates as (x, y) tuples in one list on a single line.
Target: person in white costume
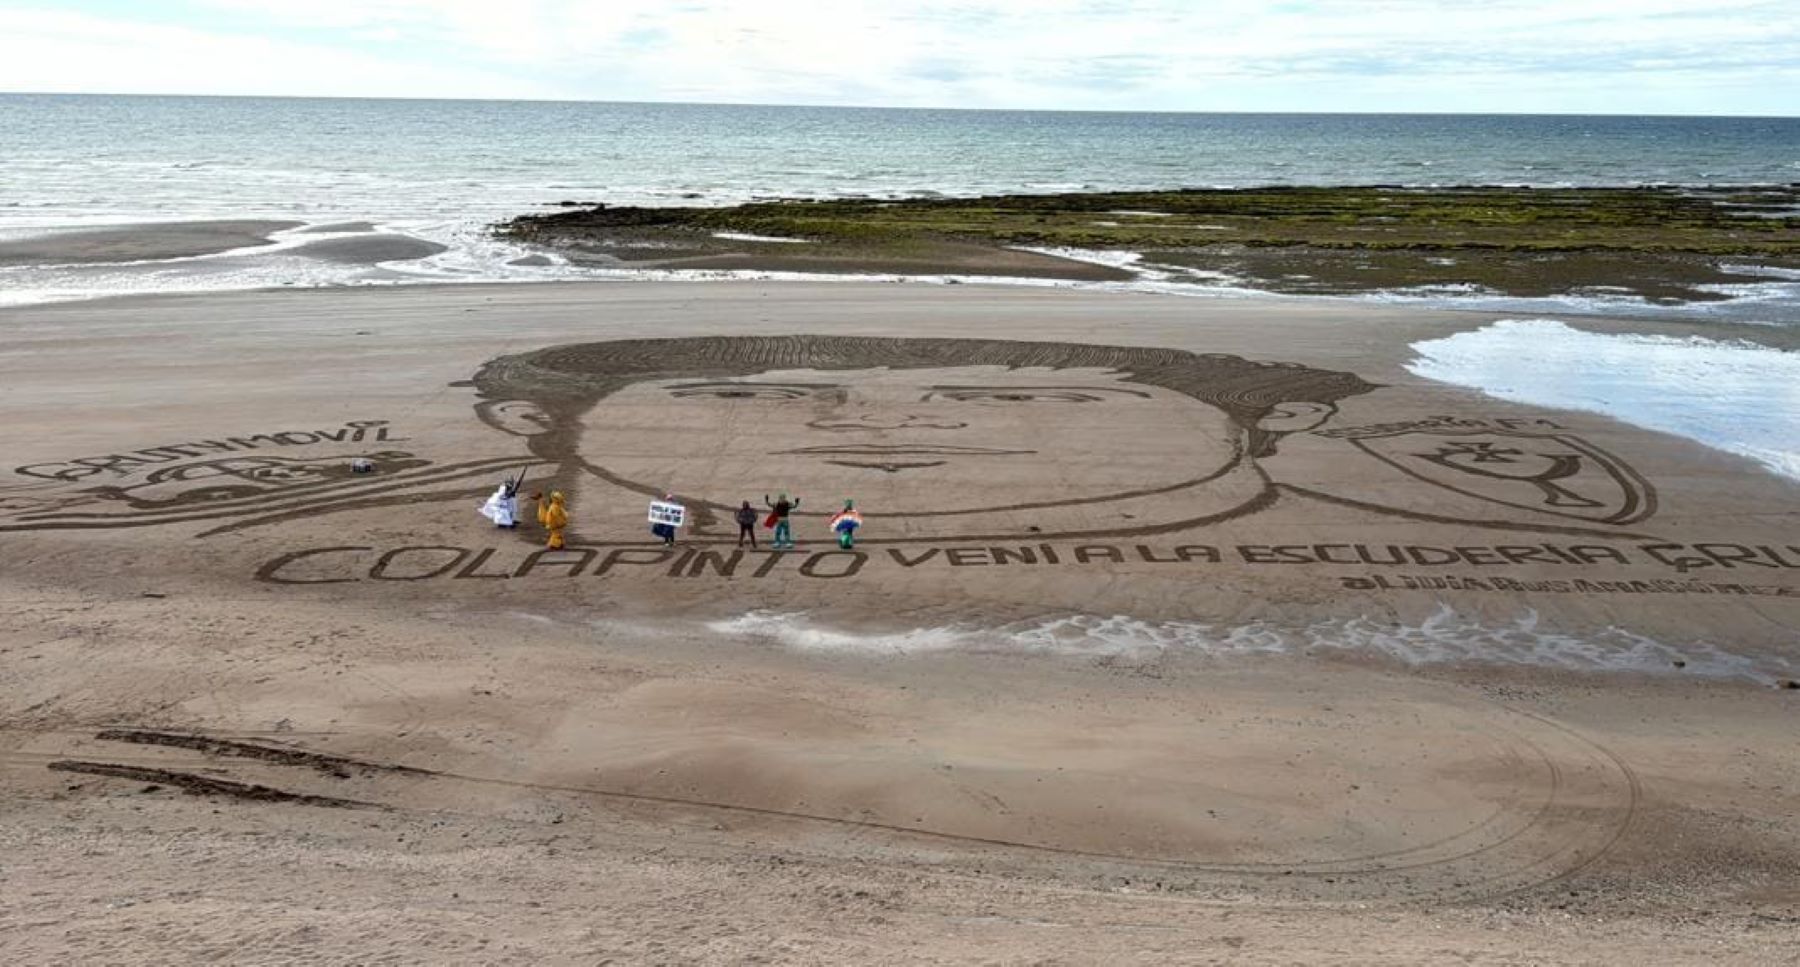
[(503, 507)]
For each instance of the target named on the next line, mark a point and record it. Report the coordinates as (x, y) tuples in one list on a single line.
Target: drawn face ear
[(1294, 416), (518, 417)]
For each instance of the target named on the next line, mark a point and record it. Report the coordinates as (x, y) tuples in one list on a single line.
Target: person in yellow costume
[(554, 516)]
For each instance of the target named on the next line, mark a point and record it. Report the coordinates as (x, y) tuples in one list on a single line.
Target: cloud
[(1718, 56), (55, 51)]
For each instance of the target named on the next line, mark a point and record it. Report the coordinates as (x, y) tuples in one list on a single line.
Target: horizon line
[(894, 107)]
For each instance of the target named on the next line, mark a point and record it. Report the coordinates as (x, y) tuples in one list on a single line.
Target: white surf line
[(1445, 637), (1736, 396), (1111, 258), (749, 237)]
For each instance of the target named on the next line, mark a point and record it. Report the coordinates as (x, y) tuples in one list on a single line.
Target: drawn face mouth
[(887, 466), (900, 450)]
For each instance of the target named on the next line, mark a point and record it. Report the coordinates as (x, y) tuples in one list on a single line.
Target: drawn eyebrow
[(739, 382), (1066, 389)]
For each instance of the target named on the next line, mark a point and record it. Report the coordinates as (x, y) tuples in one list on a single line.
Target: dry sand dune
[(1180, 631)]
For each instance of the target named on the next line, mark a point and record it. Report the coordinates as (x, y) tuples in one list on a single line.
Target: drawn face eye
[(1012, 396), (742, 391)]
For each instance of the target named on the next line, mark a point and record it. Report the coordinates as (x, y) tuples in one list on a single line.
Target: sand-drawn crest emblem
[(1551, 473), (236, 478)]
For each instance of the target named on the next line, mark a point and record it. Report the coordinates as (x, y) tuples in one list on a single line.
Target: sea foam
[(1444, 637)]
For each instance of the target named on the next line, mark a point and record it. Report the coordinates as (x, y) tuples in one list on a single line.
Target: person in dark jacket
[(746, 521), (778, 519)]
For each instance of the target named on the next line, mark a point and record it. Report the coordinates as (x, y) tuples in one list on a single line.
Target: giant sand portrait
[(953, 438)]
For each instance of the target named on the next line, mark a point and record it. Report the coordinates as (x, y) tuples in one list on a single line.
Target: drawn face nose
[(885, 421)]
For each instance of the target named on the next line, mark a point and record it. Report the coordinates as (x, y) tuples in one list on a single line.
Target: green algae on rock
[(1664, 244)]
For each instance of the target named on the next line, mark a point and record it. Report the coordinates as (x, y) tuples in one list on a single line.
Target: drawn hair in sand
[(566, 380)]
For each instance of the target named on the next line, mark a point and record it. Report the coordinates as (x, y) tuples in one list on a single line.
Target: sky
[(1509, 56)]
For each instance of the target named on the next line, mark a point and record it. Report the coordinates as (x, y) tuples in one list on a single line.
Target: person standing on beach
[(502, 508), (844, 524), (665, 525), (746, 521), (554, 516), (779, 510)]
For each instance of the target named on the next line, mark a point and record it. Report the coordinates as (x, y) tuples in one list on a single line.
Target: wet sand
[(1204, 724), (338, 227), (940, 257), (134, 243), (370, 249)]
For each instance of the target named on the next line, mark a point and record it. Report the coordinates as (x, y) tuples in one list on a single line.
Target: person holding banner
[(844, 524), (666, 516)]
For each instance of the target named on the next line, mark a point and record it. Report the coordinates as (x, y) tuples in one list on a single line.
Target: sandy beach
[(1180, 630)]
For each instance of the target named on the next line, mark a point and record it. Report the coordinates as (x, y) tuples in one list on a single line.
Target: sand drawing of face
[(1060, 436), (909, 441)]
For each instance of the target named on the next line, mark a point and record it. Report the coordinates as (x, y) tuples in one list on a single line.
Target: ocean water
[(445, 170), (74, 156), (1736, 396)]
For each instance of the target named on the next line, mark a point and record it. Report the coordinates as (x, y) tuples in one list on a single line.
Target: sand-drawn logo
[(231, 482), (223, 482), (1552, 473)]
